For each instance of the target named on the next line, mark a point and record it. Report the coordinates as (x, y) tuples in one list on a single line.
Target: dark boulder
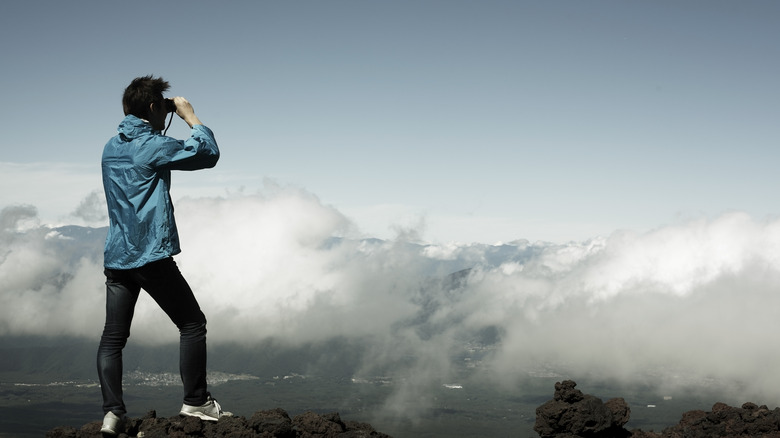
[(574, 414)]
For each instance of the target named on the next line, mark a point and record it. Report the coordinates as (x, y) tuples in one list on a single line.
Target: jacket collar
[(132, 127)]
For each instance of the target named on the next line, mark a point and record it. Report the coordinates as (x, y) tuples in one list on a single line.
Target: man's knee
[(115, 335), (193, 330)]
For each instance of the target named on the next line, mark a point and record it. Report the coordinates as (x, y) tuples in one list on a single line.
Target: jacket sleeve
[(200, 151)]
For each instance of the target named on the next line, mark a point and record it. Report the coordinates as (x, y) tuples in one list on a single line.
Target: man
[(142, 240)]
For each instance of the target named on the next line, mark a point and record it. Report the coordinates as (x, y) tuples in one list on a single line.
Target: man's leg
[(121, 296), (165, 284)]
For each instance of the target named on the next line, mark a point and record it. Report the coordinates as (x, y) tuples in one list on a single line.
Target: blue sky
[(469, 121)]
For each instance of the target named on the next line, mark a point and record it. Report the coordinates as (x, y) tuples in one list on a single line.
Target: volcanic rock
[(725, 421), (274, 423), (572, 414)]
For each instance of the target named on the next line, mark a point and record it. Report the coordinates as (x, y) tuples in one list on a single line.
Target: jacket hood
[(133, 127)]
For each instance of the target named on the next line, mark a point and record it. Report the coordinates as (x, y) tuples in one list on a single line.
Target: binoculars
[(169, 106)]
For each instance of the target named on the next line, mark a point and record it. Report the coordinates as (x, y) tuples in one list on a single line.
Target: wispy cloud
[(53, 188)]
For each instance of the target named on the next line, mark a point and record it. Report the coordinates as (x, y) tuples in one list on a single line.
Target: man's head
[(143, 98)]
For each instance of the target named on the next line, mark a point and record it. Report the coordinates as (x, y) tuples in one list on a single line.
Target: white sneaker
[(111, 423), (209, 411)]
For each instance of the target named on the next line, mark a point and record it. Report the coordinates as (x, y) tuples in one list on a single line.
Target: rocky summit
[(274, 423), (572, 414)]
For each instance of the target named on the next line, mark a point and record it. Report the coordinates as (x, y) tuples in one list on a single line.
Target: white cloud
[(698, 296)]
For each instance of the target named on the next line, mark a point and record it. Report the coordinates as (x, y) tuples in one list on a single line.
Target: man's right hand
[(185, 111)]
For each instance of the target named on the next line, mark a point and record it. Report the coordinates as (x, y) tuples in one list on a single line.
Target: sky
[(463, 121)]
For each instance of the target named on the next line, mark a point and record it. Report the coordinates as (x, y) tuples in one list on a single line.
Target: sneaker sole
[(199, 415)]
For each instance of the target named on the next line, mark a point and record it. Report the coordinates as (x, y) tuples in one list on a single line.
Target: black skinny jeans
[(163, 281)]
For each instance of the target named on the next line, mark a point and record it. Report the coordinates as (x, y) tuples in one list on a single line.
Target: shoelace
[(217, 405)]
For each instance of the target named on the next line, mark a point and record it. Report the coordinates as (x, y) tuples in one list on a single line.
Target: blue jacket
[(137, 166)]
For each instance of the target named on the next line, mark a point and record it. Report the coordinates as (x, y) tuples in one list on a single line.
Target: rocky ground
[(572, 414), (266, 424)]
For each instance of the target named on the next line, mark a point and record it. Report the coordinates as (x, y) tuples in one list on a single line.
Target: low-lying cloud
[(690, 300)]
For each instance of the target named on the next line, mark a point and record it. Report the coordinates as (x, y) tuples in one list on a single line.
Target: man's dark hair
[(141, 92)]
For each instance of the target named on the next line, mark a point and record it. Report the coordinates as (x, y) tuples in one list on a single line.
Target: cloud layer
[(695, 300)]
